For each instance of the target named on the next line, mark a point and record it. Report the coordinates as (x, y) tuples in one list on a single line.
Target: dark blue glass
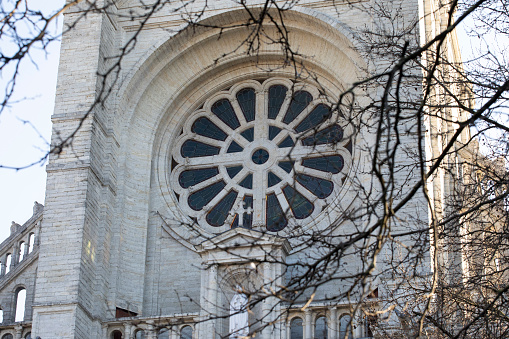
[(318, 115), (234, 148), (233, 171), (286, 165), (260, 156), (194, 149), (349, 147), (195, 176), (300, 101), (332, 163), (219, 213), (248, 134), (272, 179), (276, 219), (277, 95), (203, 126), (247, 221), (273, 132), (223, 110), (287, 142), (329, 135), (300, 205), (320, 187), (247, 182), (202, 197), (247, 101)]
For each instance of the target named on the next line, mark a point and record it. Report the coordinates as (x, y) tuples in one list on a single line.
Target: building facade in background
[(196, 189)]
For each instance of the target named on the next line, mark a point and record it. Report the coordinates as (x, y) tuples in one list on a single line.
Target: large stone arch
[(172, 80)]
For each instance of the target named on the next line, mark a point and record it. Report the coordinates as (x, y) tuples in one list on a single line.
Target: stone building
[(191, 183)]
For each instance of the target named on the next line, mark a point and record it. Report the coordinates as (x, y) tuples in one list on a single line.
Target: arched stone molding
[(173, 81)]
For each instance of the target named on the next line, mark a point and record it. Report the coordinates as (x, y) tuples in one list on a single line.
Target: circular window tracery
[(272, 153)]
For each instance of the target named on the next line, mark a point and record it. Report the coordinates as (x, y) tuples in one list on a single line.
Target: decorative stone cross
[(240, 210)]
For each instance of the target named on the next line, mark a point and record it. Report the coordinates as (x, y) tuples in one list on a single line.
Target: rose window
[(261, 155)]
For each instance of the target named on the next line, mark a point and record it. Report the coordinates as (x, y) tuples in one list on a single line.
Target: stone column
[(173, 331), (2, 269), (333, 325), (19, 331), (151, 332), (308, 326), (128, 331), (105, 331)]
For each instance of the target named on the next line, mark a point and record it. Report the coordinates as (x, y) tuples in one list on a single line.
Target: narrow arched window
[(186, 332), (296, 329), (21, 295), (21, 251), (28, 335), (321, 328), (345, 327), (7, 336), (116, 335), (31, 242), (140, 334), (163, 334), (8, 260)]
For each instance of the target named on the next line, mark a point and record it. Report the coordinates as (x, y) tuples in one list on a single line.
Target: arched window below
[(321, 328), (116, 335), (21, 295), (163, 334), (296, 329), (21, 251), (31, 242), (345, 327), (8, 260), (28, 335), (140, 334), (186, 332), (7, 336)]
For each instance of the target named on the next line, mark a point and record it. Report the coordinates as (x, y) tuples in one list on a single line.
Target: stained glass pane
[(223, 110), (248, 134), (277, 95), (300, 101), (301, 207), (203, 126), (233, 171), (296, 329), (194, 149), (186, 333), (286, 165), (219, 213), (276, 219), (234, 148), (332, 163), (247, 222), (320, 187), (273, 179), (318, 115), (287, 142), (321, 328), (273, 132), (192, 177), (329, 135), (202, 197), (247, 101), (247, 182)]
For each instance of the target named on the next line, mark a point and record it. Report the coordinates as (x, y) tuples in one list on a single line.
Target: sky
[(23, 143)]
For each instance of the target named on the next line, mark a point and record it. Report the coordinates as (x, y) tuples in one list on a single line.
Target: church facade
[(199, 169)]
